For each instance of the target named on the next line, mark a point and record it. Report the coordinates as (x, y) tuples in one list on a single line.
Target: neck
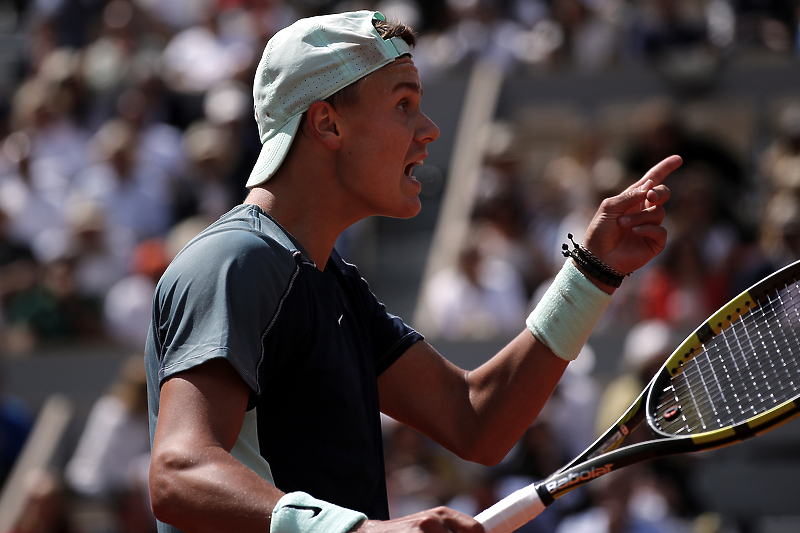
[(303, 221), (307, 198)]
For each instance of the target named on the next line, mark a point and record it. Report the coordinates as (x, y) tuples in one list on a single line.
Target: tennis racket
[(734, 377)]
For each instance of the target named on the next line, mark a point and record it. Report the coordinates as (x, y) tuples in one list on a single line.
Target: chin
[(408, 211)]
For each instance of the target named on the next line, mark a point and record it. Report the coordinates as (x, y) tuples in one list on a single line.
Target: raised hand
[(626, 232)]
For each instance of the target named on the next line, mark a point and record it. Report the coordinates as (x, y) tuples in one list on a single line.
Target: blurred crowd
[(731, 220), (126, 127)]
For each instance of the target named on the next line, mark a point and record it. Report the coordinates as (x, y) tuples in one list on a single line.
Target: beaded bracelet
[(592, 264)]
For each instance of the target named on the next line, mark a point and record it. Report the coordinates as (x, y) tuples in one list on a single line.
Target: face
[(384, 136)]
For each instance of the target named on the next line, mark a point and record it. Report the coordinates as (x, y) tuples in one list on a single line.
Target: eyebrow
[(411, 85)]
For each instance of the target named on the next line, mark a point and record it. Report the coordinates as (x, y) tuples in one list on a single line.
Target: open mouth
[(410, 167)]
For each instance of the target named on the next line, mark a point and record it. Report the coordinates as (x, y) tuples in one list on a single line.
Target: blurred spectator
[(32, 195), (659, 132), (107, 61), (673, 35), (98, 261), (771, 24), (208, 52), (697, 209), (45, 508), (127, 309), (780, 162), (228, 107), (479, 298), (45, 108), (206, 188), (419, 473), (591, 32), (16, 263), (572, 409), (177, 14), (50, 310), (780, 230), (630, 500), (132, 509), (500, 214), (133, 195), (16, 422), (680, 287), (536, 456), (646, 347), (106, 460), (159, 143)]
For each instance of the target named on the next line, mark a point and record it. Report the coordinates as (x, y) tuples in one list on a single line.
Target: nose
[(427, 130)]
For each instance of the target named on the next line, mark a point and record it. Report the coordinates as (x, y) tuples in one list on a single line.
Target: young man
[(268, 358)]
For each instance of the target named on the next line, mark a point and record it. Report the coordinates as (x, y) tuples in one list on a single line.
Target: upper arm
[(195, 483), (202, 406)]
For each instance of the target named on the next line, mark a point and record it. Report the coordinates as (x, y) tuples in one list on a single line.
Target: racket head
[(737, 375)]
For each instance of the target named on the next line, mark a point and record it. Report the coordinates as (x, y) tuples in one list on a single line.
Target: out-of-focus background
[(126, 127)]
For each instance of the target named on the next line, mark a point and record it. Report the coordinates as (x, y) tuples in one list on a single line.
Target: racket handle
[(512, 511)]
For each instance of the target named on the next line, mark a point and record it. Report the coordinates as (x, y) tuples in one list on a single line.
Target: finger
[(658, 195), (459, 522), (464, 524), (660, 171), (656, 235), (652, 215), (630, 199)]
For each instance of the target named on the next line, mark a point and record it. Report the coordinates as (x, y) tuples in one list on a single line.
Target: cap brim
[(273, 152)]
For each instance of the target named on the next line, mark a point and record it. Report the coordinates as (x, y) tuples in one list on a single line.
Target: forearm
[(206, 489), (507, 393), (480, 414)]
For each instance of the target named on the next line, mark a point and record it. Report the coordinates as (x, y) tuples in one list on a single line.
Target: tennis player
[(269, 360)]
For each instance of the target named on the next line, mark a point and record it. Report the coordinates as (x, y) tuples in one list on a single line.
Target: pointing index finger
[(660, 171)]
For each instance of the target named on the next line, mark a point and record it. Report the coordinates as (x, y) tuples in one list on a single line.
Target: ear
[(322, 123)]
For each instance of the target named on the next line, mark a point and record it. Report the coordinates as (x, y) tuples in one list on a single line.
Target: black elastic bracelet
[(592, 264)]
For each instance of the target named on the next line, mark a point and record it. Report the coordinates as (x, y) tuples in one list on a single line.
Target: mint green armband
[(297, 512), (568, 312)]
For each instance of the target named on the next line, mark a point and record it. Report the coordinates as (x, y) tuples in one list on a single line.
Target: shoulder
[(242, 234), (240, 247)]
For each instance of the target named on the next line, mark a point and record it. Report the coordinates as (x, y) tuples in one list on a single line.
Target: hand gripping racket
[(734, 377)]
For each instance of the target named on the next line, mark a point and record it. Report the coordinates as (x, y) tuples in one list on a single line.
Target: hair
[(386, 29)]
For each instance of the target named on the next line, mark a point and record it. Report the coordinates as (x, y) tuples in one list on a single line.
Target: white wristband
[(568, 312), (297, 512)]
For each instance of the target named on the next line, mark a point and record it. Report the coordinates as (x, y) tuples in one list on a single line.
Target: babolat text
[(578, 477)]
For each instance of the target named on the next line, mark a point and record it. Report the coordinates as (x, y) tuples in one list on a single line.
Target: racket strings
[(751, 388), (745, 370)]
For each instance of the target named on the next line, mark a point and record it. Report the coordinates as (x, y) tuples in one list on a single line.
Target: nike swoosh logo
[(315, 510)]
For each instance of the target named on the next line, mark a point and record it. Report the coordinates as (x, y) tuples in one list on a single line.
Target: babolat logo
[(578, 477)]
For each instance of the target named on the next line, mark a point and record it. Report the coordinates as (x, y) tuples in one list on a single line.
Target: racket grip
[(512, 511)]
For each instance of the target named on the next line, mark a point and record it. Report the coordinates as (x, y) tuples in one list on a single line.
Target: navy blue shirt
[(309, 344)]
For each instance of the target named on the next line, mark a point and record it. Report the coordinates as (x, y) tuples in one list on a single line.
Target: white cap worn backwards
[(309, 61)]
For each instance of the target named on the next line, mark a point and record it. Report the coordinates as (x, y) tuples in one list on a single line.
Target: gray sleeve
[(216, 300)]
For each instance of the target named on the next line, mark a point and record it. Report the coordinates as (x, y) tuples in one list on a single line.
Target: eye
[(403, 105)]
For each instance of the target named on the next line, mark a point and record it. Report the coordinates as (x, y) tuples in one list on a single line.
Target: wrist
[(298, 512), (567, 313), (606, 288), (599, 273)]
